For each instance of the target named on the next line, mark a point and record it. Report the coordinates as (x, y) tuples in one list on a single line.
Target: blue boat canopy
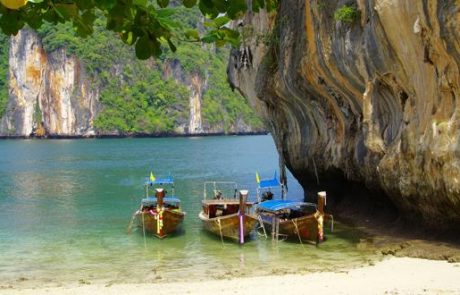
[(160, 181), (275, 205), (153, 200), (268, 183)]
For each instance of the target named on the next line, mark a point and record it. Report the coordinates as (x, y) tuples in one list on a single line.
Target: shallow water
[(65, 206)]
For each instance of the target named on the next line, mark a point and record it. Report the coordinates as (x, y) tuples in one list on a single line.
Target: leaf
[(105, 4), (66, 11), (210, 37), (233, 39), (192, 35), (143, 48), (10, 23), (140, 2), (34, 20), (88, 18), (84, 24), (83, 30), (155, 46), (167, 23), (172, 46), (220, 21), (257, 5), (271, 4), (189, 3), (163, 3), (220, 43), (208, 9), (116, 17), (166, 12), (237, 8), (127, 37), (85, 4), (220, 5)]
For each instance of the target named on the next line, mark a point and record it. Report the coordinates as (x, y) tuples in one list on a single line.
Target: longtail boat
[(290, 219), (160, 214), (225, 216)]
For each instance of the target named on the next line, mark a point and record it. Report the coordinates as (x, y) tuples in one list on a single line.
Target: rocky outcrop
[(198, 85), (374, 101), (49, 94)]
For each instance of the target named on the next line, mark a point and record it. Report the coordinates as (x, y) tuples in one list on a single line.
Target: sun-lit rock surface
[(374, 101), (49, 93)]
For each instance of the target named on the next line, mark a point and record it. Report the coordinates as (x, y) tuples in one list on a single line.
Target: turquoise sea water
[(65, 206)]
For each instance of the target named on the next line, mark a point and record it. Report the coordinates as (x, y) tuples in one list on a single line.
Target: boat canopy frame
[(167, 181), (215, 187), (269, 183)]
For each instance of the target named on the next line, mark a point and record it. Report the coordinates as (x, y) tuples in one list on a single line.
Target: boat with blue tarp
[(290, 219), (160, 214)]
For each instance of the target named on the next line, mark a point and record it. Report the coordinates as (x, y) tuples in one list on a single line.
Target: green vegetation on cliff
[(4, 49), (152, 96), (347, 14)]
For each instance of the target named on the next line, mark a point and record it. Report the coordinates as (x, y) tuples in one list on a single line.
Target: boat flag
[(152, 177), (257, 177)]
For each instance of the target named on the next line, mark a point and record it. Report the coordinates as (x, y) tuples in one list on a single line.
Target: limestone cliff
[(48, 93), (197, 85), (374, 101), (54, 93)]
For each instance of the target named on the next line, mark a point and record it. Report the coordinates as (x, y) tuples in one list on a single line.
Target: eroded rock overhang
[(374, 101)]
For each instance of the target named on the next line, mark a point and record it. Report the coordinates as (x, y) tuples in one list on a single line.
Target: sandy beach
[(391, 276)]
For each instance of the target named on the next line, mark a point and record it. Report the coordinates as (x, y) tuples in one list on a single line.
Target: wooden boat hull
[(305, 228), (171, 220), (228, 225)]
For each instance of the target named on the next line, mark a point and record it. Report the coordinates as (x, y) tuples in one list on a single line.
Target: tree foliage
[(145, 24)]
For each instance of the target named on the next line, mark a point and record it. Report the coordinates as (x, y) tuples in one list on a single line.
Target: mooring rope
[(130, 225), (143, 226), (332, 222), (220, 230), (316, 171), (297, 230)]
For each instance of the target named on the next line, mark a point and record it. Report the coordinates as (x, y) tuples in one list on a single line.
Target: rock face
[(197, 86), (49, 93), (375, 101)]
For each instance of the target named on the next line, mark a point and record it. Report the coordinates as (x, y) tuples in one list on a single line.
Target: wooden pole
[(321, 201), (160, 194), (242, 212), (320, 218)]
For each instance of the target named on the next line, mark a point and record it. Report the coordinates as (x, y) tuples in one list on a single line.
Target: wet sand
[(393, 275)]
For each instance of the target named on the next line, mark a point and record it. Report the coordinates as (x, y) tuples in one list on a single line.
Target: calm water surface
[(65, 206)]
